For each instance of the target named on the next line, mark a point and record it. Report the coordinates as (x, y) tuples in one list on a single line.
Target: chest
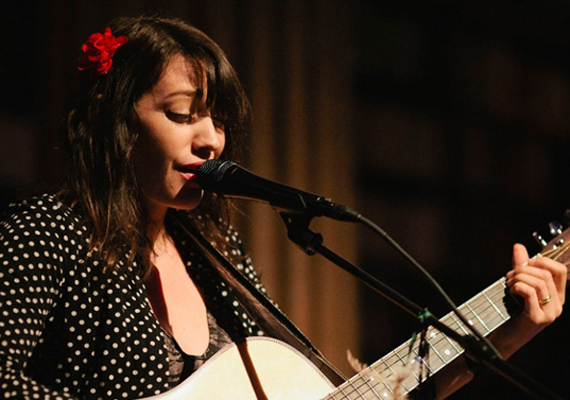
[(178, 303)]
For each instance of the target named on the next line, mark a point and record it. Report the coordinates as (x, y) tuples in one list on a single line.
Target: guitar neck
[(485, 312)]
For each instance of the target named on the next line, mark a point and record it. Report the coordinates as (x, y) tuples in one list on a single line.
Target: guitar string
[(368, 382), (448, 351), (361, 388), (440, 342), (475, 308), (364, 386), (558, 252), (354, 391), (396, 358), (485, 307), (443, 338), (369, 385)]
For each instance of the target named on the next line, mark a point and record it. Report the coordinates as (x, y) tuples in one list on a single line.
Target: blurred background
[(445, 123)]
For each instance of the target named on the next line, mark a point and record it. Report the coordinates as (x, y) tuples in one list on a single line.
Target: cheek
[(145, 152), (155, 145), (150, 156), (222, 146)]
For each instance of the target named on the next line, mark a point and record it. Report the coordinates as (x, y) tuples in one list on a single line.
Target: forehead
[(179, 74)]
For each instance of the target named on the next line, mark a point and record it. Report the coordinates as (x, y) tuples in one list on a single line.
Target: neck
[(156, 231)]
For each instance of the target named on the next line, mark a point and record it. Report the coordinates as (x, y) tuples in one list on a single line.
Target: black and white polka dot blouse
[(68, 330)]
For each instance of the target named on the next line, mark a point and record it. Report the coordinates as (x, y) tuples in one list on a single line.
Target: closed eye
[(190, 118), (180, 118)]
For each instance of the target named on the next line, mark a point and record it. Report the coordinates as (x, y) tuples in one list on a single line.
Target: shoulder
[(43, 213), (37, 206), (41, 237)]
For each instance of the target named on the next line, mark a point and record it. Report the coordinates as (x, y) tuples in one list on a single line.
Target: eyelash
[(179, 117), (188, 118)]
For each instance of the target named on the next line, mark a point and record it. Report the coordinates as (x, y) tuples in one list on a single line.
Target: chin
[(186, 207), (188, 202)]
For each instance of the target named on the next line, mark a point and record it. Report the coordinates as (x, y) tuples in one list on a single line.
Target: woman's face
[(177, 134)]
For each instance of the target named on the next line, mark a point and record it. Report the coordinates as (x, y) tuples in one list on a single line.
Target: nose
[(209, 140)]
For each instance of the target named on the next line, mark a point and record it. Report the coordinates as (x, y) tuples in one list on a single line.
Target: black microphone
[(229, 179)]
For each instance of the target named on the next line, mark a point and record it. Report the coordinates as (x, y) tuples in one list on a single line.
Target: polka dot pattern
[(69, 330)]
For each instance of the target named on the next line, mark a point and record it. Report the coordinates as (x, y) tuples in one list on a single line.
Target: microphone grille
[(211, 172)]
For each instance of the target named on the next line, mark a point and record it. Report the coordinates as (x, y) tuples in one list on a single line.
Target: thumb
[(520, 254)]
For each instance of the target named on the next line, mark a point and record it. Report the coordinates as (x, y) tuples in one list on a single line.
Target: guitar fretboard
[(485, 312)]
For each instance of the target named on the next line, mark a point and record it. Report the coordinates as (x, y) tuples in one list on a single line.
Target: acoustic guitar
[(263, 368)]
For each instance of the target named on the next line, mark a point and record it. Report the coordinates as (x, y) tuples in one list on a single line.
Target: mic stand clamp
[(311, 242), (299, 233)]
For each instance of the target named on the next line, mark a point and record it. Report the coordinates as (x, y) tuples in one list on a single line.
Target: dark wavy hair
[(101, 131)]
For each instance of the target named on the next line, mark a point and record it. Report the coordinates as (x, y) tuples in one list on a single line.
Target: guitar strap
[(270, 319)]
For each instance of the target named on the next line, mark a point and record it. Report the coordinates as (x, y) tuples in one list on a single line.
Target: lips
[(190, 168), (188, 171)]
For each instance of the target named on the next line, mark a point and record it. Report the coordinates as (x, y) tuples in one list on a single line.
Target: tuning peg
[(555, 228), (539, 239)]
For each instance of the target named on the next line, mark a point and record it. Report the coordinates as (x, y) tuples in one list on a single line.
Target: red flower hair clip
[(99, 50)]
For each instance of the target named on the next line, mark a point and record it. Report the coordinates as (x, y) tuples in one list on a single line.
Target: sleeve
[(29, 287)]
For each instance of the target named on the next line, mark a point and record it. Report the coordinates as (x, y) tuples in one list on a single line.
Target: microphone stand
[(312, 243)]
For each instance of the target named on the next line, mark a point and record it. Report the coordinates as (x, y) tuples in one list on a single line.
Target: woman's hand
[(541, 283)]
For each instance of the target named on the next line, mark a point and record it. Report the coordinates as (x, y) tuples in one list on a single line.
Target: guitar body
[(258, 368)]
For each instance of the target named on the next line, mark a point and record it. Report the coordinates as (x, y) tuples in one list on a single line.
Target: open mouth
[(188, 172)]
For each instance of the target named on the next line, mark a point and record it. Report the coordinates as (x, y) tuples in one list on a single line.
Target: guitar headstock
[(558, 248)]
